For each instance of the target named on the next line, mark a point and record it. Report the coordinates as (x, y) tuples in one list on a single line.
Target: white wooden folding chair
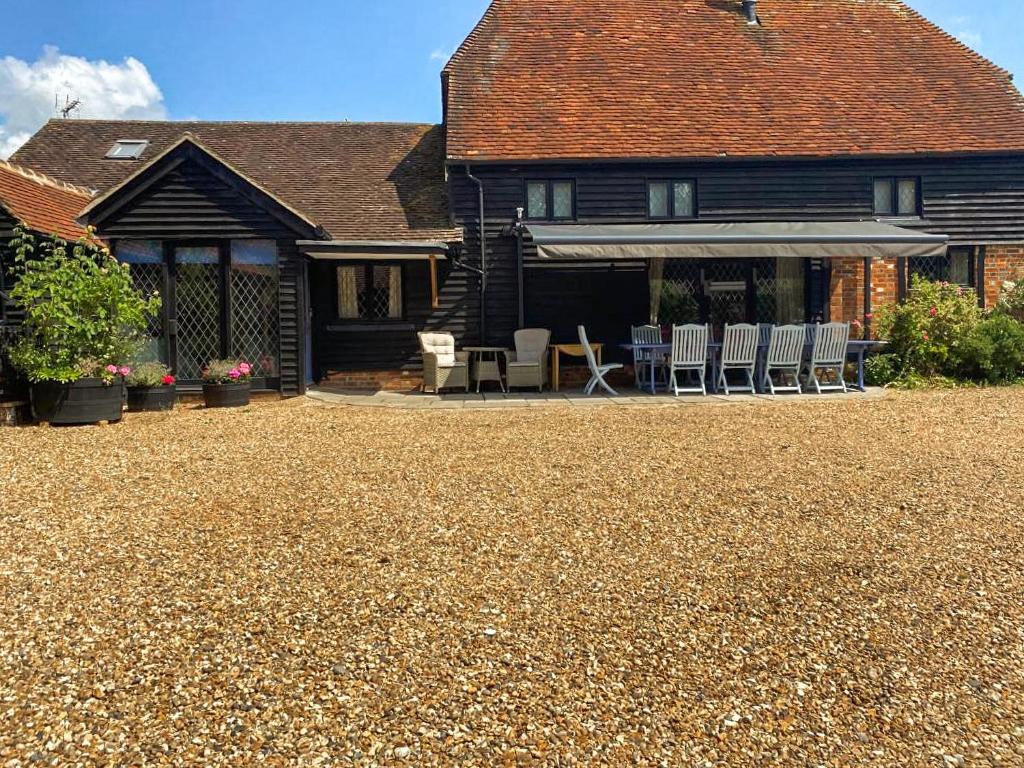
[(597, 372), (689, 355), (829, 354), (739, 353), (644, 334), (785, 356)]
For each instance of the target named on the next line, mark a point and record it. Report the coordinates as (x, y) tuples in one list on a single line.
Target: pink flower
[(234, 373), (124, 370), (112, 369), (933, 311), (245, 368), (924, 335)]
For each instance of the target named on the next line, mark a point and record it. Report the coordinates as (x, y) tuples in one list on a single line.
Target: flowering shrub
[(1011, 300), (227, 372), (150, 375), (82, 312), (926, 331)]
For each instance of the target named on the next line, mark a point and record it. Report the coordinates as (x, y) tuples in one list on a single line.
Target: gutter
[(483, 255)]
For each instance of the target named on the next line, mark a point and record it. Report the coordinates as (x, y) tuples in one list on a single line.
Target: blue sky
[(276, 60)]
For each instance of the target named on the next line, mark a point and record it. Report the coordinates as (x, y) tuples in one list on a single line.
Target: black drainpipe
[(483, 257)]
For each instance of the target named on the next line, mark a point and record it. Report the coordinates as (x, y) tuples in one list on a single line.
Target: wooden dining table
[(572, 350)]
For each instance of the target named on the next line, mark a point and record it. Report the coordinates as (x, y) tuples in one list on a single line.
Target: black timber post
[(867, 296), (901, 278)]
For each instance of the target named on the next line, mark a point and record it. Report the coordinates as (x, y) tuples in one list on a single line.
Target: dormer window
[(127, 149)]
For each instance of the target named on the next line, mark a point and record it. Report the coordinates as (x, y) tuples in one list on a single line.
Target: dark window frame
[(670, 198), (369, 264), (549, 198), (894, 200), (169, 298)]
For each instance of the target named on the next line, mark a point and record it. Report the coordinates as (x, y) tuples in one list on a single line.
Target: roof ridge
[(383, 123), (42, 178)]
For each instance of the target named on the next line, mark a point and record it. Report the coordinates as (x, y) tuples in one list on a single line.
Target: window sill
[(370, 326)]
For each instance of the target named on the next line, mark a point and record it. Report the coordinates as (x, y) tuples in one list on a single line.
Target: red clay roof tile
[(41, 203), (553, 79)]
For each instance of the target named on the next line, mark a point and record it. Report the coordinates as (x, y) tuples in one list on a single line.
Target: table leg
[(554, 368), (860, 370)]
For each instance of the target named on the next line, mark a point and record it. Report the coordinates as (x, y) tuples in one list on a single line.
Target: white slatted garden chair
[(689, 356), (739, 353), (829, 354), (785, 356), (645, 334), (597, 372)]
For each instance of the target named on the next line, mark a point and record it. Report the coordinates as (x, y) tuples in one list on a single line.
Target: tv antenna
[(70, 106)]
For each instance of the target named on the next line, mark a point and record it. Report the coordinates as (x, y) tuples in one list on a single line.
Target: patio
[(628, 397)]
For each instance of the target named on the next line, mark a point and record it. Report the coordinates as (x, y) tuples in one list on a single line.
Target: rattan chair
[(443, 367), (527, 366)]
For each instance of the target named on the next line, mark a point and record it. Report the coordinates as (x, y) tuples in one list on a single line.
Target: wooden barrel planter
[(160, 398), (226, 395), (86, 401)]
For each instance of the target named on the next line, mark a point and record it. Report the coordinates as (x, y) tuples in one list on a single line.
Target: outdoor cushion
[(440, 344)]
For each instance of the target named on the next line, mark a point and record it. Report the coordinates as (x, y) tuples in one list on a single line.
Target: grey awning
[(372, 250), (817, 240)]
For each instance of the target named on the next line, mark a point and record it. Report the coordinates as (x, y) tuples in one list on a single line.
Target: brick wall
[(389, 381), (1002, 263)]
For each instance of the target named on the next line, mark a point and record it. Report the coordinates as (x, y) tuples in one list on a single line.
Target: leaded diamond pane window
[(682, 199), (198, 291), (145, 260), (677, 296), (657, 200), (562, 202), (883, 197), (537, 200), (907, 197), (370, 292), (254, 303)]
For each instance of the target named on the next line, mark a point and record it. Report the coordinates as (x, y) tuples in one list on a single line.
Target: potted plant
[(226, 383), (150, 388), (82, 317)]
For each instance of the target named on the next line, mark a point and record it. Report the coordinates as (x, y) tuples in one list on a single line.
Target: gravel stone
[(797, 582)]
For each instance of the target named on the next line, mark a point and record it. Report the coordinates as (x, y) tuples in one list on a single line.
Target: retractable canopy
[(816, 240), (372, 250)]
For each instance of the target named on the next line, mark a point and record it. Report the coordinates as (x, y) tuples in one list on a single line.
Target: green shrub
[(881, 370), (924, 333), (82, 312), (993, 351)]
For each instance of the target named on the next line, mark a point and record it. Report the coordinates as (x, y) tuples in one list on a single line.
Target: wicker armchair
[(443, 367), (528, 365)]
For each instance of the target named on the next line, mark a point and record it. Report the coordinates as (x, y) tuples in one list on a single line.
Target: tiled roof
[(551, 79), (43, 204), (359, 181)]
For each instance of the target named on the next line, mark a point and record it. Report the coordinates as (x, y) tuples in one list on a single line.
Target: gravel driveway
[(812, 584)]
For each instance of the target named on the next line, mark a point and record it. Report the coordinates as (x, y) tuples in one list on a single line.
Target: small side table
[(572, 350), (484, 365)]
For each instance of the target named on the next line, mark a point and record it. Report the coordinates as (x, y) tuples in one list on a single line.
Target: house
[(604, 162), (305, 248), (43, 206), (720, 161)]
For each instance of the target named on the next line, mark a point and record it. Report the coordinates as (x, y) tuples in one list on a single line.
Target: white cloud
[(963, 29), (441, 54), (108, 91)]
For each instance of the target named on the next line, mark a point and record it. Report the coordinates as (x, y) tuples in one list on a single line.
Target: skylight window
[(127, 149)]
